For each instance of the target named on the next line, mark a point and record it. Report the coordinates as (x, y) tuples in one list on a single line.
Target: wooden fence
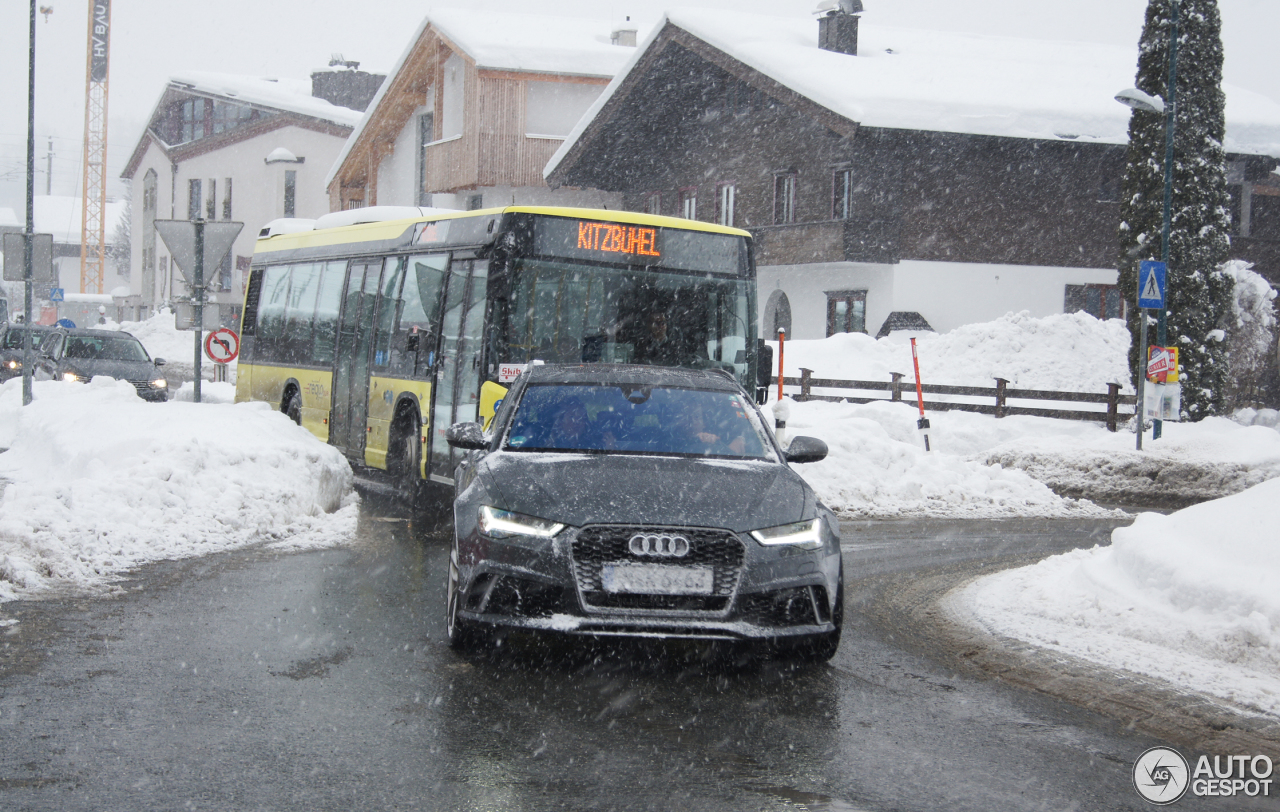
[(1001, 394)]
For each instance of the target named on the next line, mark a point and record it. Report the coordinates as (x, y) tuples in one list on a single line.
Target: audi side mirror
[(466, 436), (806, 449), (159, 362)]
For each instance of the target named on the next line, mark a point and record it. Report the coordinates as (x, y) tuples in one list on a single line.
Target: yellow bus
[(377, 336)]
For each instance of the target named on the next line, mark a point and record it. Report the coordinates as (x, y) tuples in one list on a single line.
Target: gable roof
[(290, 97), (942, 81), (523, 43)]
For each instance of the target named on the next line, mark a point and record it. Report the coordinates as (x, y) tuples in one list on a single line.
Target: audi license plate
[(657, 579)]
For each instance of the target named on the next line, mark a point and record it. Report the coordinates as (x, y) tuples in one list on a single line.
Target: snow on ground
[(984, 467), (96, 481), (1189, 597)]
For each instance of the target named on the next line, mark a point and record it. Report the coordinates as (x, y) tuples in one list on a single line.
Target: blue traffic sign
[(1151, 284), (56, 294)]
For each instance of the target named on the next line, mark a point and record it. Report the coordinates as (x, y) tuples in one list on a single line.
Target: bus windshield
[(561, 311)]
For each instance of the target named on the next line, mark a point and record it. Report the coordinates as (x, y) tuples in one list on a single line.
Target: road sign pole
[(27, 259), (1141, 408), (197, 275)]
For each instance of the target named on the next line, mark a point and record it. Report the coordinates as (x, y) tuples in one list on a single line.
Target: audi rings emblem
[(658, 544)]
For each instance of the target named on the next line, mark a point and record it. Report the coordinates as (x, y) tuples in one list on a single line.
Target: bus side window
[(271, 307), (420, 309), (301, 313), (252, 296), (388, 308), (328, 305)]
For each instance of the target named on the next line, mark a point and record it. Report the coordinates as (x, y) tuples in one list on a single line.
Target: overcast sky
[(152, 39)]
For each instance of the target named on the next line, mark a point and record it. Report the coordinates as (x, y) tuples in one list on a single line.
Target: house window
[(211, 201), (226, 116), (194, 199), (475, 202), (226, 199), (355, 203), (689, 203), (426, 134), (193, 120), (726, 193), (784, 198), (842, 201), (1099, 301), (846, 311), (451, 100), (290, 191), (653, 203)]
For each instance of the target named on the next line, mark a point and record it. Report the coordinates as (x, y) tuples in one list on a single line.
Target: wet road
[(321, 680)]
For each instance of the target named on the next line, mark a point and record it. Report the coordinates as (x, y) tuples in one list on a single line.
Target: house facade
[(234, 148), (916, 174), (474, 108)]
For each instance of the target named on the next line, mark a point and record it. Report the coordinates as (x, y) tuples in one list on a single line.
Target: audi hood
[(581, 489)]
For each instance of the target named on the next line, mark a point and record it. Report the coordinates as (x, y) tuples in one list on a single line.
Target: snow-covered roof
[(533, 43), (947, 81), (288, 95), (60, 216)]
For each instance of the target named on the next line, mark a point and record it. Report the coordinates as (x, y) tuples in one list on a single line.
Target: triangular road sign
[(1151, 290), (1151, 284), (180, 237)]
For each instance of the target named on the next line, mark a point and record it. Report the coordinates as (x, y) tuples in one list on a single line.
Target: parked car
[(640, 501), (78, 355), (11, 348)]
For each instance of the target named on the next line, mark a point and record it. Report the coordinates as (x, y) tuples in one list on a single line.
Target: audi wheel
[(461, 634)]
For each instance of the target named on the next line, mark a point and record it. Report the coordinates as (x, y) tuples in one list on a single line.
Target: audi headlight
[(71, 377), (501, 524), (159, 383), (806, 535)]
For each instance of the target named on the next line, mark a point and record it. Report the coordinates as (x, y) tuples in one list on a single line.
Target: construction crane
[(93, 243)]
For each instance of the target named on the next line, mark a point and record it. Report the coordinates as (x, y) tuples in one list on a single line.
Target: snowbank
[(1189, 597), (96, 481)]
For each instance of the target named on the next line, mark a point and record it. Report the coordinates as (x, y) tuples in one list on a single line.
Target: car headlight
[(14, 364), (71, 377), (500, 524), (806, 535), (159, 383)]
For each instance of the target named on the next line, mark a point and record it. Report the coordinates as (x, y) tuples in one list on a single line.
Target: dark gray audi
[(644, 502)]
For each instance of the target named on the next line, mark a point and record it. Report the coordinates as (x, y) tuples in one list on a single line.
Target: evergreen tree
[(1199, 297)]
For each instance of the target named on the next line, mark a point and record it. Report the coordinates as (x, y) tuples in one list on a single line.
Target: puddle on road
[(796, 799)]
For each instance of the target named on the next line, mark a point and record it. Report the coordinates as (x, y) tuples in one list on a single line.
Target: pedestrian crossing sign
[(1151, 284)]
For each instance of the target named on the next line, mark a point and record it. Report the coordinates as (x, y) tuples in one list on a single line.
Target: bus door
[(351, 367), (456, 394)]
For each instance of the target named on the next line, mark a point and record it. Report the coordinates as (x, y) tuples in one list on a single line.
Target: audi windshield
[(639, 420)]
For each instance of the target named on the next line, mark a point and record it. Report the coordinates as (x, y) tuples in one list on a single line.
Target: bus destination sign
[(616, 238)]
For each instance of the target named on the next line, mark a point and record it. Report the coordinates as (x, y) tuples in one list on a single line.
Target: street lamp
[(1145, 103)]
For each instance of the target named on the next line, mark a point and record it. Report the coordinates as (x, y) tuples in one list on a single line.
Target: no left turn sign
[(222, 345)]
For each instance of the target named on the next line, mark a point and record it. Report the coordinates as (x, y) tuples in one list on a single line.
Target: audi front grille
[(598, 545)]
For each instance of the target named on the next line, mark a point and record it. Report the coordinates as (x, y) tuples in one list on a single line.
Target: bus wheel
[(293, 406), (406, 455)]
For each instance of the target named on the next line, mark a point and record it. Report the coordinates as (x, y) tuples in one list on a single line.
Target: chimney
[(838, 27), (624, 34), (345, 85)]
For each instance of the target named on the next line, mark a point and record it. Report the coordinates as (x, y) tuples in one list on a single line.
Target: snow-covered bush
[(1251, 336)]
